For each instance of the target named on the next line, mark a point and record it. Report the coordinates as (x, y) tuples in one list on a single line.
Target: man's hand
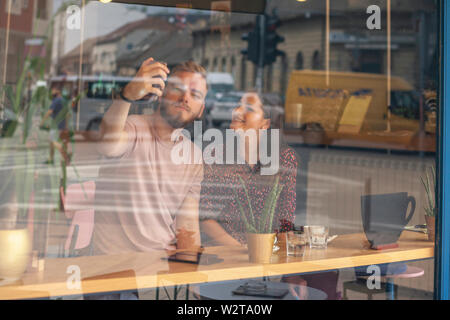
[(44, 123), (187, 240), (150, 73), (113, 138)]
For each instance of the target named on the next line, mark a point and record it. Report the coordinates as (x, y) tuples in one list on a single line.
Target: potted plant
[(259, 229), (29, 187), (430, 207)]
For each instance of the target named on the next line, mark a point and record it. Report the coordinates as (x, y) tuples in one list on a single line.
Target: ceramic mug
[(385, 215)]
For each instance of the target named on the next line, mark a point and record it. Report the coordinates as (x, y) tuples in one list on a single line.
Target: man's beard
[(174, 120)]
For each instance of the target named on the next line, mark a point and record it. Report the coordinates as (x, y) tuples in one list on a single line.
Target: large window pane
[(346, 90)]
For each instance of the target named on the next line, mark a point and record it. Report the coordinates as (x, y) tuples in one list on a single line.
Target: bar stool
[(387, 285)]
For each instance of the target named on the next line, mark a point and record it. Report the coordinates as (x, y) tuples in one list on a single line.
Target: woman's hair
[(268, 107)]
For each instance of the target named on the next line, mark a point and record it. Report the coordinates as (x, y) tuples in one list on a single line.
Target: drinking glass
[(318, 237), (295, 243)]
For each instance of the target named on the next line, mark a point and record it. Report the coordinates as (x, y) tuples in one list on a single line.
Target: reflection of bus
[(353, 107), (96, 87), (97, 94)]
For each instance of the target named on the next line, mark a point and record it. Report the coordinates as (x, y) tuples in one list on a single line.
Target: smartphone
[(187, 256), (267, 293), (194, 257), (151, 97)]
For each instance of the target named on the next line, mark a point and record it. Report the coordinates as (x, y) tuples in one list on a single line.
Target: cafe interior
[(350, 91)]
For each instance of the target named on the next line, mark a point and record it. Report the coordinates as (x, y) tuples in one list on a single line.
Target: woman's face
[(249, 115)]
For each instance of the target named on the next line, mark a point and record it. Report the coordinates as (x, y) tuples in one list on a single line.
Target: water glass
[(295, 243), (318, 237)]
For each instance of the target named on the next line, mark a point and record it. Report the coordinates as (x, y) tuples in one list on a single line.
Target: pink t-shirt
[(139, 194)]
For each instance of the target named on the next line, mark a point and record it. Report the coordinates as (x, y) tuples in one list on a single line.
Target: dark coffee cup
[(385, 215)]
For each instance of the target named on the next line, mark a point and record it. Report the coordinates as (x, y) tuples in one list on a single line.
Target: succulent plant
[(263, 223), (430, 185)]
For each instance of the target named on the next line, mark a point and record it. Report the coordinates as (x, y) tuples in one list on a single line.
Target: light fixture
[(105, 1)]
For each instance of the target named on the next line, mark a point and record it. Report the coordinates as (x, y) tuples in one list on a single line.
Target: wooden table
[(129, 271)]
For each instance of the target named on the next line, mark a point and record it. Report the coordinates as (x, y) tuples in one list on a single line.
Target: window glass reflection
[(343, 110)]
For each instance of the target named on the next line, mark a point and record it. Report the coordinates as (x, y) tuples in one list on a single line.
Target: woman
[(219, 210), (223, 224), (221, 218)]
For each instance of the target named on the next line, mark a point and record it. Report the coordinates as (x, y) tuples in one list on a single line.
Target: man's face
[(183, 99), (55, 92)]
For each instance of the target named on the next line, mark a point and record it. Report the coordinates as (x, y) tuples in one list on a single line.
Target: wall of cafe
[(336, 180)]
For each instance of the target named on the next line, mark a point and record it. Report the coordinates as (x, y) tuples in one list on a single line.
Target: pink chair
[(78, 204)]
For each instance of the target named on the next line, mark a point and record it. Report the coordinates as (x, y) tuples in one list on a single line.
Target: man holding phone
[(144, 201)]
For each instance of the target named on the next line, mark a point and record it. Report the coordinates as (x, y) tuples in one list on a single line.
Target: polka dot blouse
[(218, 200)]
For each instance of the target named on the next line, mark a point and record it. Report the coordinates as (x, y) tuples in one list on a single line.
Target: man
[(54, 112), (144, 201)]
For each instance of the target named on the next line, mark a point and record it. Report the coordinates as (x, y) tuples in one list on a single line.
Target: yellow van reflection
[(353, 111)]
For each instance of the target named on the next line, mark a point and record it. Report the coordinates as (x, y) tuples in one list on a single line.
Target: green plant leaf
[(433, 172), (79, 181), (6, 183), (252, 217), (10, 96), (431, 190), (19, 177), (427, 191), (433, 181), (54, 184), (24, 173), (272, 214), (249, 227), (267, 206), (20, 85), (28, 121), (430, 187)]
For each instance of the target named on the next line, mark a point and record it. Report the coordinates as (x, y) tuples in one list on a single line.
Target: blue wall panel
[(442, 252)]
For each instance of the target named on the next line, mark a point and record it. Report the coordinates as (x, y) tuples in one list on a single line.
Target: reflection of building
[(122, 51), (99, 19), (352, 46), (123, 48), (81, 55), (29, 20), (119, 42), (168, 45)]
